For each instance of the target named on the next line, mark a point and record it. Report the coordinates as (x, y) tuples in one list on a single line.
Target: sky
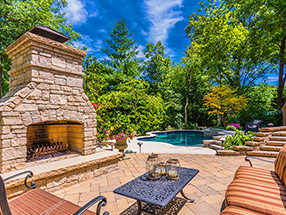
[(149, 20)]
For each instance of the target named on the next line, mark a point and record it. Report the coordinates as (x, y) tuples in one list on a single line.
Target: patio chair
[(40, 202), (253, 126), (256, 191)]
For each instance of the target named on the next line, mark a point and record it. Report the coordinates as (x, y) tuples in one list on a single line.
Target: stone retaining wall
[(64, 177)]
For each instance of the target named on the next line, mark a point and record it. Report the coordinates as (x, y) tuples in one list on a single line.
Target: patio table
[(159, 192)]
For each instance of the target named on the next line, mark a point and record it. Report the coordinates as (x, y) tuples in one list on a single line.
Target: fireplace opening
[(53, 139)]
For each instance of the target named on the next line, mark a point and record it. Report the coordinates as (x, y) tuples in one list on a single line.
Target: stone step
[(253, 143), (275, 143), (270, 148), (208, 142), (227, 153), (279, 133), (258, 139), (273, 129), (262, 134), (216, 147), (277, 138), (262, 153), (243, 148), (219, 137)]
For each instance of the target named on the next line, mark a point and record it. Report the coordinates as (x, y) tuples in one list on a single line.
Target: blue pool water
[(178, 138)]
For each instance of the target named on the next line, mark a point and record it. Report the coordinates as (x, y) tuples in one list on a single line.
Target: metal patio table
[(159, 192)]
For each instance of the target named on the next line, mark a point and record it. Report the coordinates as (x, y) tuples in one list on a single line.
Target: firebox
[(54, 138)]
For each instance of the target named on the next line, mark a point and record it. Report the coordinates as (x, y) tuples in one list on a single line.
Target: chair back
[(4, 206), (280, 164)]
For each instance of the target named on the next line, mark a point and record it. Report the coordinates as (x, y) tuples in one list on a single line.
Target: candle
[(152, 169), (162, 170), (173, 173)]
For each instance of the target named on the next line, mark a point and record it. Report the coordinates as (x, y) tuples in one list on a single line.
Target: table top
[(159, 192)]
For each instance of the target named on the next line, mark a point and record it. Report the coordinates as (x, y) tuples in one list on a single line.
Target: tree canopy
[(18, 17)]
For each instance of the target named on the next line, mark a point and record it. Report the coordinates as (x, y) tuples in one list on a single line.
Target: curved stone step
[(207, 142), (275, 143), (273, 129), (227, 153), (262, 153), (262, 134), (216, 147), (279, 133), (270, 148), (253, 143), (277, 138), (258, 139), (243, 148), (219, 137)]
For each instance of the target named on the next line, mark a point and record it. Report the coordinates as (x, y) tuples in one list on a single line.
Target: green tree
[(221, 42), (95, 80), (225, 102), (261, 100), (122, 51), (156, 65), (131, 107), (18, 17), (266, 21)]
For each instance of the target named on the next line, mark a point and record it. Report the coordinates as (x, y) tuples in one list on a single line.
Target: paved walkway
[(160, 147), (207, 188)]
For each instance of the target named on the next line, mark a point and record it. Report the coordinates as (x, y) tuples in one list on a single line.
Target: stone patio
[(207, 188)]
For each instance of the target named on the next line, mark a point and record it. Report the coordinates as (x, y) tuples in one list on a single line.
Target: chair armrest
[(102, 202), (247, 159), (29, 175)]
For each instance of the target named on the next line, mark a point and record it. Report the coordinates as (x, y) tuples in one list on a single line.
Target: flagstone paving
[(207, 188)]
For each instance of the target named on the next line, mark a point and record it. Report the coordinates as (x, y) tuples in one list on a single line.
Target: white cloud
[(75, 12), (141, 54), (87, 41), (163, 17)]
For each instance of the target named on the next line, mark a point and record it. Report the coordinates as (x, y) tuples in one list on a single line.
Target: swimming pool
[(178, 138)]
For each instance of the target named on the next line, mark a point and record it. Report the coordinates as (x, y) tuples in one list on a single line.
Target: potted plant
[(120, 135)]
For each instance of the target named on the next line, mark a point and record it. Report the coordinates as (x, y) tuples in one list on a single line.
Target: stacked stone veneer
[(45, 85)]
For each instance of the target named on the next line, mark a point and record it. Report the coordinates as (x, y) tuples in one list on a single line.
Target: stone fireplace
[(46, 102)]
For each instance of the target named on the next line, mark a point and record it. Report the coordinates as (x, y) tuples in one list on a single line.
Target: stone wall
[(45, 85), (64, 176)]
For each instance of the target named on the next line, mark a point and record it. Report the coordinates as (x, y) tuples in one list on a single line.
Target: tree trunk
[(186, 109), (1, 74), (189, 79), (281, 80)]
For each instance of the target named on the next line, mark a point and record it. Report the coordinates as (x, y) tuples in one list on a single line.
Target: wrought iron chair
[(44, 203), (253, 126)]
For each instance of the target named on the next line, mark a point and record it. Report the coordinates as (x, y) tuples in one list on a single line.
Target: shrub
[(238, 139)]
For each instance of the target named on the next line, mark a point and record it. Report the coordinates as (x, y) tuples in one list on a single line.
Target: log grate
[(46, 148)]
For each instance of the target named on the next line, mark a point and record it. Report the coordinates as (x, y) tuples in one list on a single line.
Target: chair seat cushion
[(37, 201), (233, 210), (257, 197), (259, 176)]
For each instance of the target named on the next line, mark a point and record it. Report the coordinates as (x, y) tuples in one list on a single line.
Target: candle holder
[(152, 167), (162, 168), (172, 170)]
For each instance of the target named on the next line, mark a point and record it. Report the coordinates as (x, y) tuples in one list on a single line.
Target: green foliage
[(122, 51), (225, 102), (18, 17), (261, 101), (222, 44), (265, 20), (238, 139)]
